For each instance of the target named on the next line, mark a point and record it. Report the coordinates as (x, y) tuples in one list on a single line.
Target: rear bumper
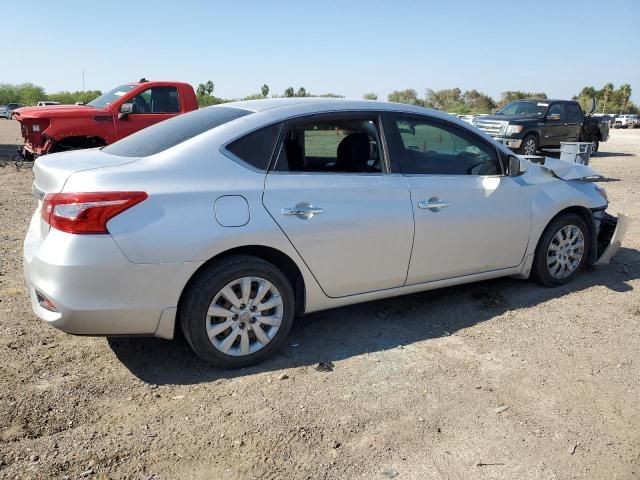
[(95, 289)]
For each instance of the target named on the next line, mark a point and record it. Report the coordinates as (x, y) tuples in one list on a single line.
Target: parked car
[(116, 114), (229, 221), (628, 120), (46, 103), (526, 126), (6, 111)]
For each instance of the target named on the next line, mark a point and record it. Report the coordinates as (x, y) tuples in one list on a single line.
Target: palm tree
[(606, 91), (625, 93)]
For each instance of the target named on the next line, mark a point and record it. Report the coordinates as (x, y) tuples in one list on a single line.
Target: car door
[(469, 217), (151, 106), (330, 193), (554, 127), (575, 120)]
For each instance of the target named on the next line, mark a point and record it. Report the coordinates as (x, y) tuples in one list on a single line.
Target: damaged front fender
[(612, 231)]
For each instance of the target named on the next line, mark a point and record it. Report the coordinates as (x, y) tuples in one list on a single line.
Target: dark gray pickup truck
[(527, 126)]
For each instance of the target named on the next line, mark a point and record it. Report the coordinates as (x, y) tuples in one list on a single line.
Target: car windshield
[(170, 133), (111, 96), (527, 108)]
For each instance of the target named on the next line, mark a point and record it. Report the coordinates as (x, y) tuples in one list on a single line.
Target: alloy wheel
[(530, 146), (244, 316), (565, 252)]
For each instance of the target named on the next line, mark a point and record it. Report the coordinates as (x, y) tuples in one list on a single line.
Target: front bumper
[(95, 289), (509, 142), (610, 235)]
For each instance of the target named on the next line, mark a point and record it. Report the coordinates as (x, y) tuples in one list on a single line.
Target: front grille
[(495, 128)]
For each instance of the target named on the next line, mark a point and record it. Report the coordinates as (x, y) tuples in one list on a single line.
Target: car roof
[(308, 105)]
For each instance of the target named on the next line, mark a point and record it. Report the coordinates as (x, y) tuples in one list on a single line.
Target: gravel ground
[(495, 380)]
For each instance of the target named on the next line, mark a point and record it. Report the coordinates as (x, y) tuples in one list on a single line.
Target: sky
[(350, 48)]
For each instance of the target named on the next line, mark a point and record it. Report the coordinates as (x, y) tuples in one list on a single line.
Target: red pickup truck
[(110, 117)]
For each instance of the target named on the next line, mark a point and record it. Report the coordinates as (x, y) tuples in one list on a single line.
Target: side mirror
[(516, 166), (553, 117), (125, 110)]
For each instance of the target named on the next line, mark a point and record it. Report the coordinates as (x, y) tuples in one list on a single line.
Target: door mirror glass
[(516, 166)]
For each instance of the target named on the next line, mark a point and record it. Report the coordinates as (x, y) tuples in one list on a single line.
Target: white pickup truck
[(624, 121)]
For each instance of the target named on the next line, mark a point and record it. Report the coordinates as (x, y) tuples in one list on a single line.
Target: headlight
[(511, 129), (602, 192)]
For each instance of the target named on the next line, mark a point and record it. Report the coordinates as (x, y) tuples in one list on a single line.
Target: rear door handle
[(433, 204)]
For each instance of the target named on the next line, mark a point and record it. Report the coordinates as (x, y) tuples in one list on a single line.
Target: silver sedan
[(230, 221)]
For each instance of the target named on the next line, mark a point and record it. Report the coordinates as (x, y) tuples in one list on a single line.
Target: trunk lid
[(52, 172)]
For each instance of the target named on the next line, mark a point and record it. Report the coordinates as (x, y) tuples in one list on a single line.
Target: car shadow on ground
[(371, 327)]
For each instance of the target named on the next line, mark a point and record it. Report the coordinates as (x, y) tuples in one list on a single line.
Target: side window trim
[(398, 150), (335, 115)]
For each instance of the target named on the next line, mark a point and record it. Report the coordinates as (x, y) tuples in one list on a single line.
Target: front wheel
[(596, 146), (529, 145), (237, 311), (562, 251)]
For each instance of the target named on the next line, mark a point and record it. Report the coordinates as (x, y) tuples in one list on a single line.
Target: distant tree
[(409, 96), (69, 98), (327, 95), (625, 95), (370, 96), (511, 95), (448, 100), (265, 90), (302, 92), (607, 90), (31, 94), (205, 89), (289, 92), (478, 102)]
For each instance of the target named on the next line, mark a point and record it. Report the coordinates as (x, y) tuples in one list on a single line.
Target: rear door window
[(343, 144)]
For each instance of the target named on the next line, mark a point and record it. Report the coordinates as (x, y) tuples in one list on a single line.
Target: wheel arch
[(76, 142), (277, 258), (585, 214)]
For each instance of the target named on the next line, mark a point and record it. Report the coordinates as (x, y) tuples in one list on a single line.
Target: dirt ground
[(495, 380)]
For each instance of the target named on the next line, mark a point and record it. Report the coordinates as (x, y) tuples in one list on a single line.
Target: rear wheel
[(562, 251), (529, 145), (237, 311)]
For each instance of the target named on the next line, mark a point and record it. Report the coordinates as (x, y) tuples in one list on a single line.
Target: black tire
[(202, 291), (529, 145), (596, 147), (540, 271)]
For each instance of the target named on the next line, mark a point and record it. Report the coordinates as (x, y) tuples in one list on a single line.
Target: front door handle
[(433, 204), (303, 210)]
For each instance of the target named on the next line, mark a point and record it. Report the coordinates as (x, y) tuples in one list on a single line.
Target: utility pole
[(83, 79)]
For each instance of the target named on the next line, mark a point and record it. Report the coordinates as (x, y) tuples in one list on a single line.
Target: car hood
[(53, 111), (511, 118), (561, 168)]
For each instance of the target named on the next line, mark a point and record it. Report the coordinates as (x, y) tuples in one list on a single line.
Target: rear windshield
[(170, 133)]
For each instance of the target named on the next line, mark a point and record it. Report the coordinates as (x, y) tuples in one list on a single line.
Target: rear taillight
[(86, 213)]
